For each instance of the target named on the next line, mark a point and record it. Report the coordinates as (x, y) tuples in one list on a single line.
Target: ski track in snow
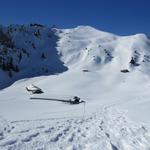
[(108, 129)]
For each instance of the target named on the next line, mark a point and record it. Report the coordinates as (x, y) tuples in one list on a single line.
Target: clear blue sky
[(123, 17)]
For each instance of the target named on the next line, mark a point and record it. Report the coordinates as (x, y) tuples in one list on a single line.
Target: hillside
[(33, 50), (28, 51), (109, 72)]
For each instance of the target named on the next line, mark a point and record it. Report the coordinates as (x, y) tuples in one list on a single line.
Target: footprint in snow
[(24, 131), (40, 127), (1, 136), (107, 134), (49, 130), (9, 142), (29, 138), (66, 130), (113, 147), (71, 137), (56, 138)]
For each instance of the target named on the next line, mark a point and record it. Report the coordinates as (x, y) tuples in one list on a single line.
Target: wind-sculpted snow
[(108, 129)]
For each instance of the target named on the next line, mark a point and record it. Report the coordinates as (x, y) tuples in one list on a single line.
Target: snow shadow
[(43, 61)]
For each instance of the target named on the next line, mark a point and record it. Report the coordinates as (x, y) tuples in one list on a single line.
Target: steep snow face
[(87, 48), (27, 51)]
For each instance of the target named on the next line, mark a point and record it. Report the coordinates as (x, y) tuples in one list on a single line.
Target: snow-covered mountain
[(33, 50), (109, 72), (27, 51), (86, 47)]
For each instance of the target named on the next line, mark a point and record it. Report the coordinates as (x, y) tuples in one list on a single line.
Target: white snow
[(106, 129), (116, 113)]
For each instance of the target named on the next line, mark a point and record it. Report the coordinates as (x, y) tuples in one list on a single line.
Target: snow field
[(107, 129)]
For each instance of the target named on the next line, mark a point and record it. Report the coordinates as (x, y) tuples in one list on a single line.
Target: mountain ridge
[(50, 51)]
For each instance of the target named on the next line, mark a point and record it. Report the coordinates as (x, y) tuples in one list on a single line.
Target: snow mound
[(108, 129)]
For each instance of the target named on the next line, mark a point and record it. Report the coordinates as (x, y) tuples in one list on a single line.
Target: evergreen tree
[(16, 69), (33, 45), (20, 56), (4, 66), (37, 33), (43, 56), (10, 74)]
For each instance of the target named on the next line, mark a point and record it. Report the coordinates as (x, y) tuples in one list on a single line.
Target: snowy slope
[(108, 130), (86, 47), (92, 65), (32, 51)]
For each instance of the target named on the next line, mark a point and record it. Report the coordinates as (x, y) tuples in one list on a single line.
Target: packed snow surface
[(109, 72)]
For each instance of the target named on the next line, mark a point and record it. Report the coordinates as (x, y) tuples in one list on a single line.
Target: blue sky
[(123, 17)]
